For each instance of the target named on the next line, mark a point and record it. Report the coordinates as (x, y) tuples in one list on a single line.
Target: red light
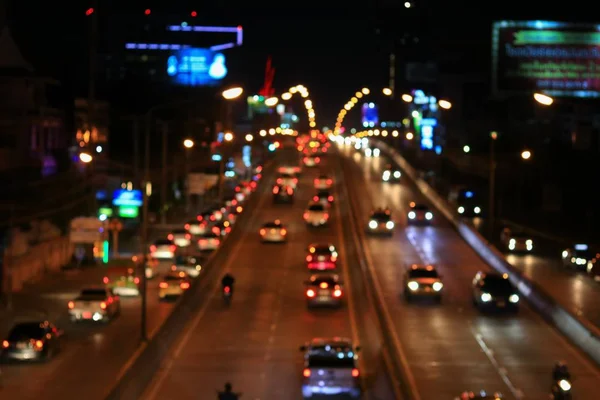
[(227, 289), (170, 236), (39, 344), (276, 190), (316, 181), (279, 181), (105, 280), (188, 236), (317, 160), (309, 258), (173, 247), (186, 226), (234, 202), (330, 198), (89, 11), (184, 285), (194, 14), (153, 248), (199, 218), (163, 285), (305, 159), (326, 216), (295, 180), (329, 181), (316, 198), (290, 191), (217, 242), (147, 11), (136, 280), (71, 305), (305, 215), (237, 189), (355, 373), (306, 373), (216, 230), (239, 27)]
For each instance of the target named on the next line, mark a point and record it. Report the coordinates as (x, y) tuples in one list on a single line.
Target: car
[(283, 194), (579, 256), (324, 290), (190, 265), (32, 340), (174, 284), (316, 215), (467, 203), (311, 161), (380, 222), (391, 174), (492, 290), (222, 228), (482, 395), (122, 280), (330, 368), (163, 249), (94, 304), (209, 241), (289, 169), (321, 256), (323, 197), (273, 232), (323, 182), (287, 180), (422, 281), (419, 213), (181, 237), (196, 227), (516, 241)]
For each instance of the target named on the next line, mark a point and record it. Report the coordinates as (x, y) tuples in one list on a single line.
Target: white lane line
[(518, 393), (192, 327)]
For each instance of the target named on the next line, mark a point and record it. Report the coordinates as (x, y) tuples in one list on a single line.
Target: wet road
[(452, 347), (254, 343)]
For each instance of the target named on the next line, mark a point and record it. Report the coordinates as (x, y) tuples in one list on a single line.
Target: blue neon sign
[(132, 198), (196, 67), (427, 137)]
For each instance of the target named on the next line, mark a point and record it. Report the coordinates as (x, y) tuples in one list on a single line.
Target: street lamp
[(249, 137), (228, 137), (286, 96), (492, 183), (526, 154), (85, 158), (188, 143), (271, 101), (407, 98), (232, 93), (407, 4), (445, 104), (365, 91), (387, 91), (543, 99), (466, 149)]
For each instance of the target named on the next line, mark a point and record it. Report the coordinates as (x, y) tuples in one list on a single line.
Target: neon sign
[(196, 67)]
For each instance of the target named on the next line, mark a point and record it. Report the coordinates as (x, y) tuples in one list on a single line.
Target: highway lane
[(254, 343), (93, 355), (452, 347)]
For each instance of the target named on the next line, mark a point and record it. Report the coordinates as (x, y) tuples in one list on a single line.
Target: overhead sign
[(559, 59), (87, 230), (199, 183), (196, 67), (123, 197)]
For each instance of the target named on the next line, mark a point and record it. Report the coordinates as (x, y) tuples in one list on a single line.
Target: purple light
[(225, 29), (154, 46), (222, 46)]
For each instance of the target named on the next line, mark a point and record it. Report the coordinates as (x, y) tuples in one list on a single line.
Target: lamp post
[(227, 138), (188, 144), (492, 183), (229, 95)]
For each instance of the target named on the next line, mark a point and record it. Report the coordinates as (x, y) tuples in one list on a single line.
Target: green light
[(105, 211), (105, 251), (129, 211)]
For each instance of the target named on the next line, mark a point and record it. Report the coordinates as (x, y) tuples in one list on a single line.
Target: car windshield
[(330, 281), (272, 225), (321, 250), (209, 235), (286, 176), (498, 283), (318, 361), (323, 193), (163, 243), (380, 216), (193, 222), (520, 236), (182, 260), (179, 232), (421, 207), (26, 331), (93, 293), (316, 207), (322, 177), (171, 278), (423, 273)]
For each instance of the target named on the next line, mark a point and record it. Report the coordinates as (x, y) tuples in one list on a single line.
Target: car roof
[(334, 341), (329, 276), (330, 246), (421, 267)]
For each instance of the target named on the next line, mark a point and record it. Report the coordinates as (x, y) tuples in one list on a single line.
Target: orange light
[(295, 180), (263, 232), (184, 285), (283, 232), (71, 305), (163, 285), (5, 344), (39, 344), (323, 285), (337, 293), (306, 373), (103, 305), (326, 216), (173, 267), (239, 209), (317, 160), (276, 190), (355, 373), (316, 181), (330, 198), (188, 236), (305, 215)]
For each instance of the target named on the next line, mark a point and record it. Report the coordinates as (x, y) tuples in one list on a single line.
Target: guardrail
[(579, 330), (134, 381)]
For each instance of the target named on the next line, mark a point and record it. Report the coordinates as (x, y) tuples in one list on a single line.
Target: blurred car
[(211, 215), (222, 228), (151, 268), (209, 241), (195, 227), (516, 241), (283, 194), (323, 182), (579, 256), (287, 180), (289, 169), (321, 256), (391, 174), (330, 368), (324, 290), (174, 284), (273, 232), (369, 152), (122, 280), (323, 197), (482, 395), (190, 265), (311, 161), (380, 221), (422, 281), (316, 215), (94, 304), (34, 340), (419, 213), (492, 290), (180, 237), (466, 201), (163, 249)]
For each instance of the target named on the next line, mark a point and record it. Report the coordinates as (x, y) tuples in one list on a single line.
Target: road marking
[(518, 393), (164, 372)]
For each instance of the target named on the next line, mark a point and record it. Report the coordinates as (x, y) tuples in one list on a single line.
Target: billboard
[(559, 59), (370, 115), (196, 67)]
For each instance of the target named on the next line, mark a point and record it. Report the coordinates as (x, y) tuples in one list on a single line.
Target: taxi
[(174, 284)]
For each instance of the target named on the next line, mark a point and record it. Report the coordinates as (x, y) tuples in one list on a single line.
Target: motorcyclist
[(228, 394), (560, 371), (228, 281)]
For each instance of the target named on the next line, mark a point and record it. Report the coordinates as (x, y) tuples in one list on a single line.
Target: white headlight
[(397, 174), (372, 224), (376, 152), (565, 254), (437, 286), (512, 242), (565, 385), (412, 285), (461, 210), (514, 298), (485, 297), (389, 225), (429, 216), (529, 242), (411, 215), (477, 210)]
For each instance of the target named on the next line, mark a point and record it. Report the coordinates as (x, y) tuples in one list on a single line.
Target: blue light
[(468, 194), (124, 197), (272, 147), (196, 67), (216, 157), (247, 156), (429, 122), (230, 164), (581, 247), (438, 149), (220, 137), (427, 137)]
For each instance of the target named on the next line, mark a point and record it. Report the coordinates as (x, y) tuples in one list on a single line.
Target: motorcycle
[(561, 390), (227, 293)]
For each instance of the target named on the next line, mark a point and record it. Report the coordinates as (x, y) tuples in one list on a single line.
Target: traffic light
[(89, 11), (194, 14), (148, 11)]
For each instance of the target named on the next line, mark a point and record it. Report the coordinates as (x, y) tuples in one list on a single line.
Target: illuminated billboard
[(370, 115), (559, 59), (196, 67)]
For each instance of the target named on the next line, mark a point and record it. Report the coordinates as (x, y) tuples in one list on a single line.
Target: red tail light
[(234, 202), (153, 248), (39, 344), (173, 248), (188, 236), (184, 285), (305, 215), (318, 160), (71, 305), (290, 191), (329, 181), (309, 258), (355, 373), (326, 216), (295, 180), (212, 218), (283, 232), (324, 149), (279, 181), (306, 373), (163, 285), (227, 289), (305, 159), (330, 198), (202, 241), (170, 236), (259, 168), (216, 230), (237, 189), (103, 305), (253, 185), (310, 293), (105, 280), (136, 280), (337, 293), (199, 218), (316, 198), (173, 267), (5, 344), (263, 232), (217, 242), (276, 190), (186, 226), (316, 181)]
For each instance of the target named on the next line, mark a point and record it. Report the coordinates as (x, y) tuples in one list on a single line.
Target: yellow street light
[(232, 93), (407, 98), (188, 143), (228, 136), (293, 90), (445, 104), (387, 91), (526, 154), (263, 133), (286, 96), (308, 104), (358, 95), (409, 136), (354, 100), (466, 149), (347, 107), (85, 158), (271, 101), (365, 90), (249, 137), (543, 99)]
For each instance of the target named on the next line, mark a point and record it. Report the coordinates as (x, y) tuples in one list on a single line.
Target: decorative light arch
[(350, 105), (308, 105)]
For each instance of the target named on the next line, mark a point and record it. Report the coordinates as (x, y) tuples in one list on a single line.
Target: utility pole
[(163, 185), (136, 150), (144, 241), (492, 183), (92, 67), (392, 83)]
